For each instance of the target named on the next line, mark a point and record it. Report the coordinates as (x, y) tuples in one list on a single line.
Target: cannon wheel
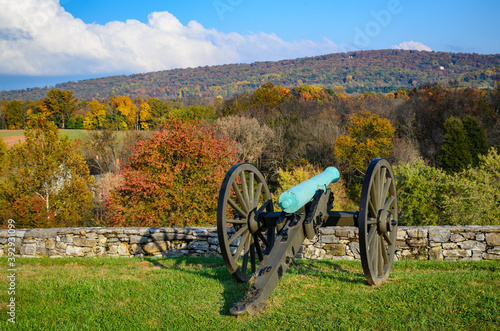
[(243, 191), (377, 221)]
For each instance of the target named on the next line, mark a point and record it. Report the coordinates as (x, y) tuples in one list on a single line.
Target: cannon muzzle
[(295, 198)]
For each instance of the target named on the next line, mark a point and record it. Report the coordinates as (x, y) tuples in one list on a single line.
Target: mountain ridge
[(357, 72)]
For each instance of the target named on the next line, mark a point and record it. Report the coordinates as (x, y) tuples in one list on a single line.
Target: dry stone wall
[(422, 243)]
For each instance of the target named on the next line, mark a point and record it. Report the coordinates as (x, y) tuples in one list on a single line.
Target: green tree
[(14, 115), (59, 105), (455, 153), (173, 179), (478, 142), (49, 184)]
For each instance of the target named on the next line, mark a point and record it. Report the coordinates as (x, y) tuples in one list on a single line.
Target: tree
[(249, 137), (369, 137), (49, 184), (14, 115), (173, 179), (476, 135), (96, 118), (59, 105), (455, 152), (127, 111)]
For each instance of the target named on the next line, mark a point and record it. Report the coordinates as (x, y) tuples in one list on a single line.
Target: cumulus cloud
[(412, 45), (38, 37)]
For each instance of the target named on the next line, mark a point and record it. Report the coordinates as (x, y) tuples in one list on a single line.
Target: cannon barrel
[(295, 198)]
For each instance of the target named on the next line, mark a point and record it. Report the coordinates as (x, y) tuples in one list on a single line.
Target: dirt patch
[(12, 140)]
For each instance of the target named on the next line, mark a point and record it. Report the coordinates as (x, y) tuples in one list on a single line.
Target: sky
[(44, 42)]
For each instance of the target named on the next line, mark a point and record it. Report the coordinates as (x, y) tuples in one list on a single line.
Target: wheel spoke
[(374, 199), (237, 208), (264, 240), (381, 182), (233, 221), (387, 186), (258, 191), (240, 198), (259, 250), (388, 239), (252, 257), (384, 252), (388, 203), (371, 234), (237, 234), (244, 188), (242, 244), (372, 208), (244, 263), (380, 259), (251, 201), (371, 221)]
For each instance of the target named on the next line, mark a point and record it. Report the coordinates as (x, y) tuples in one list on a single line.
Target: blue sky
[(43, 42)]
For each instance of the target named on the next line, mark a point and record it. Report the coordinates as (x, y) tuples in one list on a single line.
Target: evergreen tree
[(478, 142), (455, 152)]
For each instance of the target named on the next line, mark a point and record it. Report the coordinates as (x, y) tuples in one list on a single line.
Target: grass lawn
[(12, 137), (196, 293)]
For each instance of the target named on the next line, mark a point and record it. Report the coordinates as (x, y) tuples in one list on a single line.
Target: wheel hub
[(385, 221), (253, 221)]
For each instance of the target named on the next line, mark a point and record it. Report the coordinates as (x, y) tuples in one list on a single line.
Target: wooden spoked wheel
[(378, 221), (244, 239)]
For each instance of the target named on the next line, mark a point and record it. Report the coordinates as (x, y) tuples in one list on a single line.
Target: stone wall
[(423, 243)]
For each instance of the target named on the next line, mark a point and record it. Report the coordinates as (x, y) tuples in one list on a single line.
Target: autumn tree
[(48, 183), (96, 117), (369, 136), (173, 179), (59, 105), (249, 137), (126, 110)]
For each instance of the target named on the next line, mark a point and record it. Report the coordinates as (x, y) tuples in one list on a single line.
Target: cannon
[(258, 244)]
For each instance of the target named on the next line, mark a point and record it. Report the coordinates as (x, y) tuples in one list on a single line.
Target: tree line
[(153, 158)]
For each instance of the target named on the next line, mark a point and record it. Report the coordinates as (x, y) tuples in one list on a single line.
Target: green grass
[(72, 134), (196, 293)]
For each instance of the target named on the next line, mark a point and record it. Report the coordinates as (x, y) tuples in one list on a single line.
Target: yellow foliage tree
[(96, 117), (369, 137), (145, 115), (127, 109)]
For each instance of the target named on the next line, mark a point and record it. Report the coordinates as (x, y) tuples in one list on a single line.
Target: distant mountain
[(363, 71)]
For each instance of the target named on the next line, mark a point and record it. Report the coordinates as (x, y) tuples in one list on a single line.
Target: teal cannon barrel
[(295, 198)]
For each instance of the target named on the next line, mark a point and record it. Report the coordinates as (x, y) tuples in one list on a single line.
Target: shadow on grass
[(328, 269), (232, 291)]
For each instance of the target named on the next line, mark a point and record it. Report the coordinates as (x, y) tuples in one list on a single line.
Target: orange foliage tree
[(173, 179)]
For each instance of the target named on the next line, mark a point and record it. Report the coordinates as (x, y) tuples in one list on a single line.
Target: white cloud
[(38, 37), (412, 45)]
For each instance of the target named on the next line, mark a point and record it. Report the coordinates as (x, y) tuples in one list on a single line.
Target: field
[(196, 294), (12, 137)]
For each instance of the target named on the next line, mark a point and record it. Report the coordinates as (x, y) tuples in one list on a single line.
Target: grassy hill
[(363, 71)]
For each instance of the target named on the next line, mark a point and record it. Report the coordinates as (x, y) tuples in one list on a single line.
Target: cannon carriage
[(258, 244)]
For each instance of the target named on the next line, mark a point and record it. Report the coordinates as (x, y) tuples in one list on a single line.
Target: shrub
[(473, 196), (173, 179), (419, 190)]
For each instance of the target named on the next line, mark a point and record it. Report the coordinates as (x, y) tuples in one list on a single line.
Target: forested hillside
[(363, 71)]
